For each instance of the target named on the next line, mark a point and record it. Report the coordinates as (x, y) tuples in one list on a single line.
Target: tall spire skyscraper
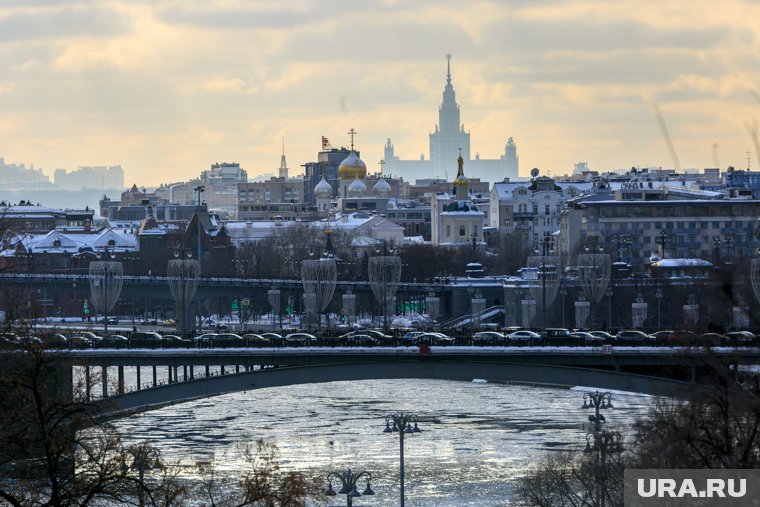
[(445, 142), (283, 164)]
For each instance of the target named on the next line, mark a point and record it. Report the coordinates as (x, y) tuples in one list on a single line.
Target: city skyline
[(165, 89)]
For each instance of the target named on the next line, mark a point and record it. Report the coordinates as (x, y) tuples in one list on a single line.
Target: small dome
[(381, 188), (352, 167), (323, 190), (357, 188)]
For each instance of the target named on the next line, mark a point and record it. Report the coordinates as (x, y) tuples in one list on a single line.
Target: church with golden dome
[(456, 219)]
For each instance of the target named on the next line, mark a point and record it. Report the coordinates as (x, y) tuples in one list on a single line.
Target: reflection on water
[(476, 437)]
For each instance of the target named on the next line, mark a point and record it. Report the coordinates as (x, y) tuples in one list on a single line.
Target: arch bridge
[(179, 375)]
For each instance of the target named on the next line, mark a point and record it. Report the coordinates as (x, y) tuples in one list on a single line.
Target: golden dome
[(461, 179), (352, 167)]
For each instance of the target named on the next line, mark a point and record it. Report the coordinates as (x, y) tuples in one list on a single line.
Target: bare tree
[(52, 450), (261, 483)]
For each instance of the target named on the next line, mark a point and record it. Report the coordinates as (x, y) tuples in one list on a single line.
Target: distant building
[(18, 176), (96, 177), (456, 219), (631, 222), (445, 142), (531, 208), (220, 184), (26, 218)]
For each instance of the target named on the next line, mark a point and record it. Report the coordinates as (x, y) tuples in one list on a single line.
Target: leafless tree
[(260, 483)]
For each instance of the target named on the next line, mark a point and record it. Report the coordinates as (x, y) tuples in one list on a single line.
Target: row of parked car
[(372, 337)]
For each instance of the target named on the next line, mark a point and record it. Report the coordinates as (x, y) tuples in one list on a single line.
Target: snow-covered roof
[(680, 263), (56, 241), (505, 190)]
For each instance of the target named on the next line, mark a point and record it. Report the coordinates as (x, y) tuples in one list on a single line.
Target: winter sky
[(165, 88)]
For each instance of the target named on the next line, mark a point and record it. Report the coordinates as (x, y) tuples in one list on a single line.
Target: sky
[(165, 88)]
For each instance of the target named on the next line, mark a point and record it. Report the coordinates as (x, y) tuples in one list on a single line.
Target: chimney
[(87, 226)]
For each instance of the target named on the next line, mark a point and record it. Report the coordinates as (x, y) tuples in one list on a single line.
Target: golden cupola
[(352, 167)]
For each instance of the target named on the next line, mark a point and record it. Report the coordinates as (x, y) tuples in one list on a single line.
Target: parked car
[(227, 340), (555, 333), (433, 339), (255, 340), (634, 336), (410, 335), (682, 338), (586, 337), (738, 337), (274, 338), (77, 341), (662, 335), (94, 338), (296, 339), (604, 335), (488, 337), (172, 340), (116, 341), (55, 341), (709, 339), (204, 340), (361, 339), (522, 335), (145, 339)]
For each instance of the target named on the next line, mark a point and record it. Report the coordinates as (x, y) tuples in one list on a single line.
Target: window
[(461, 230), (448, 231)]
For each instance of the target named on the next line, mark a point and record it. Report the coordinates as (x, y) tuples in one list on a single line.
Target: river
[(476, 438)]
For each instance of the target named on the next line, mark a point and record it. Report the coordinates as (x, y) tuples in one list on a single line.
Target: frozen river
[(476, 437)]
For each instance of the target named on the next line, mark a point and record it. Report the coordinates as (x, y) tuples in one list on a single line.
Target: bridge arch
[(169, 394)]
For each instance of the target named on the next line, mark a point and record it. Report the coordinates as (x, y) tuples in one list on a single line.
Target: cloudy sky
[(166, 88)]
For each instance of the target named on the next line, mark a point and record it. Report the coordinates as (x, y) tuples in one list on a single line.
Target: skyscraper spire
[(283, 164), (448, 68)]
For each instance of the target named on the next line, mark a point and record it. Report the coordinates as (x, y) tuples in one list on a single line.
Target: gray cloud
[(60, 23)]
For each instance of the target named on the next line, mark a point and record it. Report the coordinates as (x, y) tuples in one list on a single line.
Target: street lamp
[(658, 294), (474, 240), (402, 423), (550, 278), (563, 293), (348, 480), (600, 441), (594, 275), (662, 240)]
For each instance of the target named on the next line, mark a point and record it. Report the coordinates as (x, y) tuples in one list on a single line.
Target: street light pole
[(402, 423), (604, 442), (348, 480)]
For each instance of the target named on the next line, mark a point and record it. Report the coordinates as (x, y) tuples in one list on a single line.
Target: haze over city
[(166, 88)]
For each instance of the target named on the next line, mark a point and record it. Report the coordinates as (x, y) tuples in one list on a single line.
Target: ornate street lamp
[(600, 442), (106, 278), (182, 275), (319, 278), (384, 276), (594, 274), (662, 240), (348, 480), (401, 423), (547, 267)]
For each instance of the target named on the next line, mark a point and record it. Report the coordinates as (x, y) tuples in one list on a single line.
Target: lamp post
[(402, 423), (474, 240), (348, 480), (662, 240), (563, 293), (143, 459), (658, 294), (600, 441), (594, 275), (550, 278)]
